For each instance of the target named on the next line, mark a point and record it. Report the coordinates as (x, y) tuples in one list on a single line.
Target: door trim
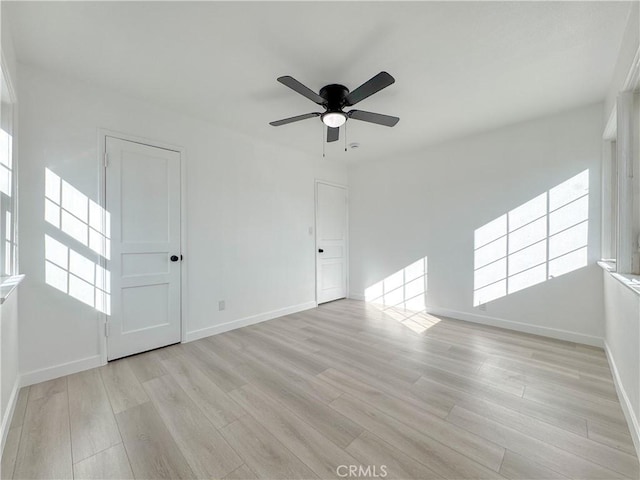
[(315, 231), (103, 133)]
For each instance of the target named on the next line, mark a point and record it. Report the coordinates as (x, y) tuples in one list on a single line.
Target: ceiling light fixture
[(334, 119)]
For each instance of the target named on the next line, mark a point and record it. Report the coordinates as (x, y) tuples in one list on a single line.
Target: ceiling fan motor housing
[(335, 96)]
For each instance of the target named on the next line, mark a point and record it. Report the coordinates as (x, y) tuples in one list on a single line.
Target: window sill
[(607, 265), (8, 285), (629, 280)]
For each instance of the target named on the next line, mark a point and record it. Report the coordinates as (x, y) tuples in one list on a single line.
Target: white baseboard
[(510, 324), (49, 373), (625, 403), (8, 414), (244, 322), (519, 326)]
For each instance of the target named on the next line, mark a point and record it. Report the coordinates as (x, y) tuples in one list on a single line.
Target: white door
[(143, 201), (331, 242)]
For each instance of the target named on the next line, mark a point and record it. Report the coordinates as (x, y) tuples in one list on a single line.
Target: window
[(609, 201), (8, 250), (621, 186)]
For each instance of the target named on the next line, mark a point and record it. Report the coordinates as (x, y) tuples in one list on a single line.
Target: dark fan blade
[(368, 88), (294, 84), (333, 134), (284, 121), (386, 120)]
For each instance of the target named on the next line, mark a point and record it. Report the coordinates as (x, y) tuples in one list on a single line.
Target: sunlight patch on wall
[(541, 239), (76, 215), (402, 296), (76, 275)]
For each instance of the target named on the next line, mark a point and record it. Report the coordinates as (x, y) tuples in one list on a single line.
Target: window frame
[(12, 208), (620, 249)]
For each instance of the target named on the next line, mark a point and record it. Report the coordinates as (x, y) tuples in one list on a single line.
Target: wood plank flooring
[(344, 384)]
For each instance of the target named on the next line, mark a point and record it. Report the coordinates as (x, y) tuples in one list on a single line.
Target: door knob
[(174, 258), (320, 250)]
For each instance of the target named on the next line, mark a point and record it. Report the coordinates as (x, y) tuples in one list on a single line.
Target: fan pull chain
[(322, 138), (345, 137)]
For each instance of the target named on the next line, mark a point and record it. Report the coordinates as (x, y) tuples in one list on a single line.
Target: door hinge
[(106, 329), (106, 159)]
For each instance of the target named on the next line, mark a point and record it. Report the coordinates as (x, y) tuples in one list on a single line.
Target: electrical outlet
[(310, 230), (221, 305)]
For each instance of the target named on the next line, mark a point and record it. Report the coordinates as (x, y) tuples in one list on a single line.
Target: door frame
[(315, 229), (103, 133)]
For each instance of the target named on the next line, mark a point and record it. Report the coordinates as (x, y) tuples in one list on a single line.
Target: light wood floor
[(344, 384)]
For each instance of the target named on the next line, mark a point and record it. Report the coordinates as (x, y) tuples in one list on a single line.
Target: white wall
[(622, 334), (249, 204), (626, 54), (622, 305), (9, 360), (431, 202)]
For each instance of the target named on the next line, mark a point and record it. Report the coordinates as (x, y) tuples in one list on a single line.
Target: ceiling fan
[(334, 98)]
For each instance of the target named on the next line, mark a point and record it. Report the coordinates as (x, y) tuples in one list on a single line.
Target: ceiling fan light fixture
[(334, 119), (334, 98)]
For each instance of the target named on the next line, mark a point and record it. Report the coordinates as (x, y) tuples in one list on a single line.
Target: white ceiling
[(459, 67)]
